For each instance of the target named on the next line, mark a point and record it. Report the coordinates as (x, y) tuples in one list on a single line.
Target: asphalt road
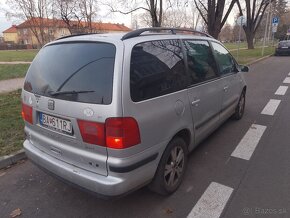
[(259, 187)]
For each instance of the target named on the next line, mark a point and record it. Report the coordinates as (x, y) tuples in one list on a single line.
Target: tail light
[(92, 132), (118, 133), (122, 132), (27, 113)]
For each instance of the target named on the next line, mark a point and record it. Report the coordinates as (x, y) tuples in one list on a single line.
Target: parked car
[(283, 48), (112, 113)]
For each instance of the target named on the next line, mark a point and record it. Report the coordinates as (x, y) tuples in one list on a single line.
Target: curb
[(11, 159), (260, 59), (15, 62)]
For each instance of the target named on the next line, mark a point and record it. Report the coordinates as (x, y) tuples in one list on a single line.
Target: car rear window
[(77, 71)]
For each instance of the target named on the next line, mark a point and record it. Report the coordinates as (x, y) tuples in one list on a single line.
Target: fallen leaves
[(15, 213)]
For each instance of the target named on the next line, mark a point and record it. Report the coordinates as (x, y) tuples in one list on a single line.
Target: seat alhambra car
[(113, 112)]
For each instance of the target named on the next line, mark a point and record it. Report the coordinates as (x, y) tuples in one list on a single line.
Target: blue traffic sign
[(275, 20)]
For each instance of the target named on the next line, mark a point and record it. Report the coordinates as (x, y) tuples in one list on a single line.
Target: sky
[(4, 23), (105, 16)]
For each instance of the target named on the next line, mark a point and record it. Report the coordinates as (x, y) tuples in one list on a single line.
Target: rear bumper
[(104, 186)]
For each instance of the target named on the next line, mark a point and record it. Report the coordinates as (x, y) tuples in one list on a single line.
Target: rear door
[(205, 93), (70, 87), (231, 82)]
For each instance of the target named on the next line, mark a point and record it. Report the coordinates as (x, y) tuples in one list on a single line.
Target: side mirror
[(244, 68)]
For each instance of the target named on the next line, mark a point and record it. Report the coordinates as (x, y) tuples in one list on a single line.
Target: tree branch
[(228, 12), (127, 12), (200, 12)]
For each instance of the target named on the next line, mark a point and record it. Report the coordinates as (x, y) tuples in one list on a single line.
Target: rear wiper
[(69, 92)]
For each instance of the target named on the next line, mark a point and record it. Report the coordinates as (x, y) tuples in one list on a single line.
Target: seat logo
[(50, 104)]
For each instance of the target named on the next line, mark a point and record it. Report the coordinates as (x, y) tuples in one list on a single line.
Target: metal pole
[(239, 42), (273, 33), (270, 23), (265, 35)]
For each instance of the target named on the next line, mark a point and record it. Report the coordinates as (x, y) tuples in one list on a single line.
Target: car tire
[(240, 109), (171, 168)]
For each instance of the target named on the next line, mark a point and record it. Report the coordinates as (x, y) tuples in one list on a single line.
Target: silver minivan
[(113, 112)]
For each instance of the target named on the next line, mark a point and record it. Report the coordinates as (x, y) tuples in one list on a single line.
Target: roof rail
[(79, 34), (138, 32)]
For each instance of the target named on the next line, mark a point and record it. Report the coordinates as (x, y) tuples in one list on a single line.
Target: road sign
[(275, 20), (241, 21), (274, 28)]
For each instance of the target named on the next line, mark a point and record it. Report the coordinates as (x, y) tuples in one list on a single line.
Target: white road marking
[(286, 80), (271, 107), (281, 90), (249, 142), (212, 202)]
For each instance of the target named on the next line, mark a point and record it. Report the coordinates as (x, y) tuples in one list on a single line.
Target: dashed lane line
[(286, 80), (249, 142), (271, 107), (281, 90), (212, 202)]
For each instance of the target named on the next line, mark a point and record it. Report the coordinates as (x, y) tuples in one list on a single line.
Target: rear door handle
[(226, 88), (195, 102)]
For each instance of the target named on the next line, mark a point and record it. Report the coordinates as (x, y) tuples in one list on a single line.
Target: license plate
[(55, 123), (284, 47)]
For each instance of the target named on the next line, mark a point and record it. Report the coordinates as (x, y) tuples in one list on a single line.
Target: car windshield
[(81, 72)]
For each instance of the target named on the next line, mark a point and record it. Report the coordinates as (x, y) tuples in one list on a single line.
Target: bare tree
[(88, 10), (226, 33), (153, 7), (67, 11), (255, 10), (214, 14), (78, 15), (181, 14), (34, 12)]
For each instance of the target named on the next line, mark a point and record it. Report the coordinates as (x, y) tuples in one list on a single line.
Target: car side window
[(224, 59), (157, 68), (200, 61)]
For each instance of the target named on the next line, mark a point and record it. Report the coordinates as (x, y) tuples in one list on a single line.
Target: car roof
[(138, 34), (117, 37)]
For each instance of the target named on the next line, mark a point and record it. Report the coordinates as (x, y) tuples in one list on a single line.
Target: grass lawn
[(8, 71), (19, 55), (234, 45), (248, 55), (11, 123)]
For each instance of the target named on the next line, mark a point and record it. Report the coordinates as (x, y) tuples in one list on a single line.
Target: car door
[(205, 91), (231, 82)]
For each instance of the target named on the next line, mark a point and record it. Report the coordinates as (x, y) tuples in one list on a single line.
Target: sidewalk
[(11, 85), (15, 62)]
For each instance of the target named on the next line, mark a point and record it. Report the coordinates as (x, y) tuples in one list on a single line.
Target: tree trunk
[(250, 39), (155, 22), (214, 31)]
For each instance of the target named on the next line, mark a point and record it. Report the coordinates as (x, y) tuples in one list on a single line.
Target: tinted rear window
[(83, 68)]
